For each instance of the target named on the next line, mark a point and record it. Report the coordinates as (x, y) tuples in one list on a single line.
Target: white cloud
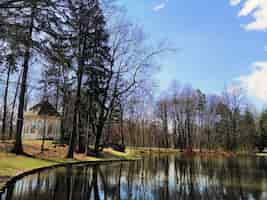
[(160, 6), (255, 83), (257, 9), (234, 2)]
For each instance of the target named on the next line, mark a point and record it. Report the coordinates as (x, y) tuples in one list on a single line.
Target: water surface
[(156, 178)]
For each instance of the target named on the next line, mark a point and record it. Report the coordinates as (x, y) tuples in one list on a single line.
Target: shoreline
[(14, 167), (219, 152), (19, 176), (131, 154)]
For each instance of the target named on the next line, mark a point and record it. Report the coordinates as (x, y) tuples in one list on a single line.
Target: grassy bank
[(12, 165)]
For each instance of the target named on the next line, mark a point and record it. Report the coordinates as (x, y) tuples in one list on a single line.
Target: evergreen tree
[(27, 24), (11, 67), (98, 76), (247, 130), (262, 138), (84, 24), (60, 81)]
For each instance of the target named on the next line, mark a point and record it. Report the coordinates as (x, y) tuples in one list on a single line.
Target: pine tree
[(59, 69), (98, 76), (26, 23), (247, 130), (84, 25), (262, 138), (11, 67)]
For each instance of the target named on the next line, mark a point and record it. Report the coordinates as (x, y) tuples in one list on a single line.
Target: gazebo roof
[(44, 108)]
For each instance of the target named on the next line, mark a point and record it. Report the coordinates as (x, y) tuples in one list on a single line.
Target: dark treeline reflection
[(155, 177)]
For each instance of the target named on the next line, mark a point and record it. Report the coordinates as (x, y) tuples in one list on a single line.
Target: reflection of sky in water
[(154, 178)]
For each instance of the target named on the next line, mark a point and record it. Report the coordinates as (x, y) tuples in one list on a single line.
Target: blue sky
[(220, 41)]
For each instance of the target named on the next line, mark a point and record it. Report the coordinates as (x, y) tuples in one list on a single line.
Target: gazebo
[(42, 121)]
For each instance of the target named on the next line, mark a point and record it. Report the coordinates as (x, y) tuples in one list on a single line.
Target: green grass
[(128, 155), (141, 151), (12, 165)]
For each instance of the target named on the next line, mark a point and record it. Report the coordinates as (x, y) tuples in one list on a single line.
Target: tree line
[(186, 118)]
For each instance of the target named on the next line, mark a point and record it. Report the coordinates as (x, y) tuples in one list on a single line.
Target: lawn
[(12, 165)]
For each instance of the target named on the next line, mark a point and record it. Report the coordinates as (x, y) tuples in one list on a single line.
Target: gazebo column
[(44, 132), (58, 128)]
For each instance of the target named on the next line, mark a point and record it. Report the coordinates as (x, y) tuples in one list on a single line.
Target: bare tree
[(129, 65)]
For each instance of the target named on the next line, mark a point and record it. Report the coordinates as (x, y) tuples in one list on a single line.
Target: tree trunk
[(189, 133), (98, 136), (75, 114), (165, 125), (13, 108), (44, 134), (5, 103), (81, 142), (143, 132), (18, 143), (121, 126), (62, 128), (57, 91), (87, 134), (76, 118)]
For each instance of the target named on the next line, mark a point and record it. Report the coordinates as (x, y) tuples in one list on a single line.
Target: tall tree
[(35, 19), (201, 105), (162, 112), (11, 67), (127, 66), (248, 130), (85, 23), (11, 123), (60, 80), (262, 137)]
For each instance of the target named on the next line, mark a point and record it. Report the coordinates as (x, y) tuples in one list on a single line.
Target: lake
[(155, 177)]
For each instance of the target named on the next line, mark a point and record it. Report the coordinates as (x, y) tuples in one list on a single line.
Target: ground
[(12, 165)]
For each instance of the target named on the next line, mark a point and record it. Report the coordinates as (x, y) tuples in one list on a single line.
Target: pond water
[(156, 177)]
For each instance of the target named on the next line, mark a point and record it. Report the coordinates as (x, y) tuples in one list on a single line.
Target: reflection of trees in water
[(215, 179), (65, 183), (218, 179), (152, 178)]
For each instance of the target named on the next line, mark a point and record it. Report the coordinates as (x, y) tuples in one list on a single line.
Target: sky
[(220, 42)]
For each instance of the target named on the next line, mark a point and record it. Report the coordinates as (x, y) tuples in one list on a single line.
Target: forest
[(97, 69)]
